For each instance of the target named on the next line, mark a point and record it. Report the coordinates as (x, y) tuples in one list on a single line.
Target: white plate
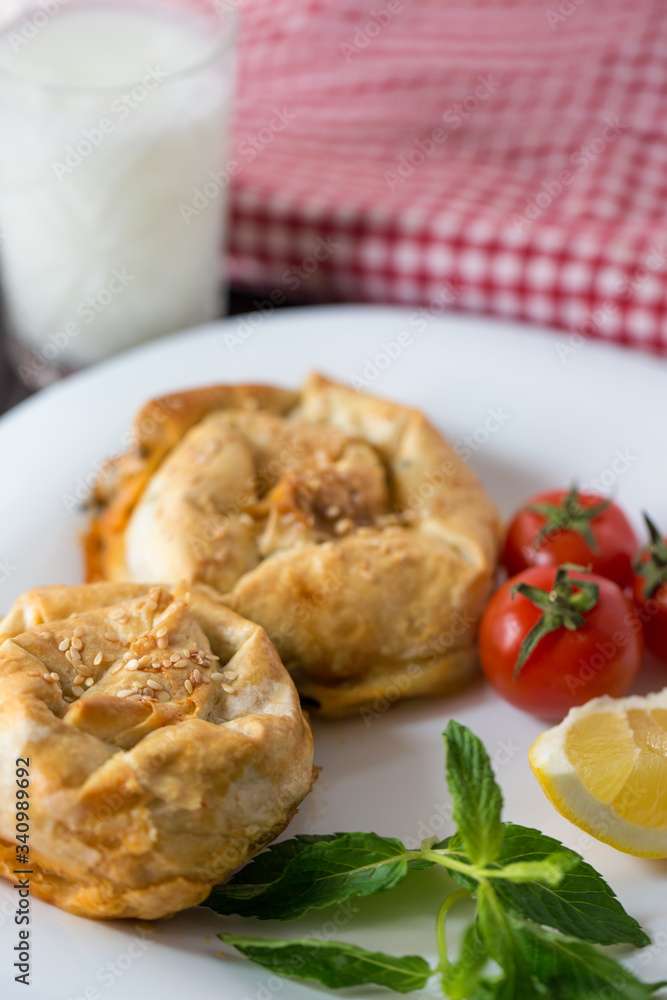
[(560, 411)]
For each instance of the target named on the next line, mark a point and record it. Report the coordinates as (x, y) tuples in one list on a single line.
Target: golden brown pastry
[(165, 739), (344, 524)]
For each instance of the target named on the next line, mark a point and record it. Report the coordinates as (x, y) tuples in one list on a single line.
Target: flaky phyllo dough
[(165, 741), (345, 525)]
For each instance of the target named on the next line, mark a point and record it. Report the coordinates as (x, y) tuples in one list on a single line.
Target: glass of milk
[(114, 121)]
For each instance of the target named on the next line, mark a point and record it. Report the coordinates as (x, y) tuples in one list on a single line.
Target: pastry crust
[(140, 802), (344, 524)]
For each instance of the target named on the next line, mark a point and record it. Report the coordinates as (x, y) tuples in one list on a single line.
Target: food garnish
[(541, 912)]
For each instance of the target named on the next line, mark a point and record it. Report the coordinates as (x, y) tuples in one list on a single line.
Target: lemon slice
[(605, 769)]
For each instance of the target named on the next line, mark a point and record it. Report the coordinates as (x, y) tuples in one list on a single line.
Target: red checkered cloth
[(505, 157)]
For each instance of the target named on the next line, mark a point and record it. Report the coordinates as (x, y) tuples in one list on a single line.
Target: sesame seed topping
[(66, 697), (155, 685), (217, 676), (163, 642), (64, 645), (136, 696), (150, 607), (78, 631), (332, 512), (97, 660), (77, 643), (79, 679), (197, 676), (90, 681), (74, 615), (174, 658), (117, 613), (188, 686), (110, 638), (124, 693), (228, 688), (183, 663), (163, 696), (78, 691), (74, 656), (54, 676), (230, 675), (132, 664), (161, 631)]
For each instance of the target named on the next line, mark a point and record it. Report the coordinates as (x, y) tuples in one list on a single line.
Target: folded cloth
[(499, 156)]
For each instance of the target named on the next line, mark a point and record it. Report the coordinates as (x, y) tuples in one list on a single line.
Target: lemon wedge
[(605, 769)]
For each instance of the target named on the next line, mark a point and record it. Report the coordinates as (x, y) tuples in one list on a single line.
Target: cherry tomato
[(650, 591), (598, 652), (565, 526)]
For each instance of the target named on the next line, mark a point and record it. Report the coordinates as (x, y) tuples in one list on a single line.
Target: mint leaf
[(267, 868), (333, 963), (330, 870), (462, 978), (476, 798), (576, 970), (582, 904), (498, 933), (549, 871)]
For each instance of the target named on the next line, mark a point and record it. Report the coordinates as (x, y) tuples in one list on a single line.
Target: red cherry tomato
[(564, 526), (649, 590), (567, 667)]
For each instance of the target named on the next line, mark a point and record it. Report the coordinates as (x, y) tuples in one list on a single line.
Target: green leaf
[(326, 871), (462, 978), (577, 970), (499, 935), (476, 798), (550, 871), (582, 904), (333, 963), (267, 868)]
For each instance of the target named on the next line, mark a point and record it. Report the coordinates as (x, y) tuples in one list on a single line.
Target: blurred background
[(505, 157)]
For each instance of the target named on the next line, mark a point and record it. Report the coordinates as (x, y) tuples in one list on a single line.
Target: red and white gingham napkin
[(502, 156)]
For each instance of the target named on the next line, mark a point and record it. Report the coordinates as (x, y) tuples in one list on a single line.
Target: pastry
[(165, 741), (344, 524)]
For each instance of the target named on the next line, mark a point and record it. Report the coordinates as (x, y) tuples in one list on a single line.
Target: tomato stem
[(562, 607), (568, 515), (651, 563)]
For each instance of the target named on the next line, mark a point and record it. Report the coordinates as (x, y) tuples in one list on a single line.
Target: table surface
[(13, 390)]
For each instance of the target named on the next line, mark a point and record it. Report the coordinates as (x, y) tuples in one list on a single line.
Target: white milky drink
[(113, 114)]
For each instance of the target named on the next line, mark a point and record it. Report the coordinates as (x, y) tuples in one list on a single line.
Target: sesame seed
[(77, 643), (146, 660), (97, 660), (147, 692), (150, 607), (54, 675), (196, 658), (197, 676), (66, 697), (217, 676), (110, 638), (182, 663), (174, 658), (124, 693), (132, 664), (161, 631), (83, 669), (79, 679), (74, 615), (228, 688), (332, 512), (155, 685), (64, 645), (163, 696), (163, 642), (117, 613), (78, 631), (134, 697), (230, 675), (74, 656), (188, 686), (90, 681), (78, 691)]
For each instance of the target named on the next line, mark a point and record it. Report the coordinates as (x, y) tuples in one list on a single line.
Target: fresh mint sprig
[(541, 910)]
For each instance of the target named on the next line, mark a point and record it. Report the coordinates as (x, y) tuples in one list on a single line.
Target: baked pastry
[(344, 524), (165, 740)]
